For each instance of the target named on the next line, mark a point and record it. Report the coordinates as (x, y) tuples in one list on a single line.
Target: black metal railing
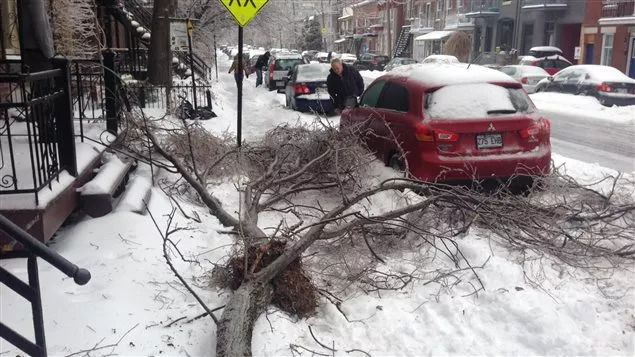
[(485, 6), (543, 4), (618, 8), (88, 93), (31, 249), (156, 97), (36, 130)]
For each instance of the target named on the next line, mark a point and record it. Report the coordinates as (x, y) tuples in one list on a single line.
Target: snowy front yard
[(529, 304)]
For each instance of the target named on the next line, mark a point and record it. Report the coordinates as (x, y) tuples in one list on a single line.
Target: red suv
[(452, 123)]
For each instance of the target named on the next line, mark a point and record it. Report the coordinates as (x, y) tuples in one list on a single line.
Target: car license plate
[(621, 90), (489, 141), (280, 84), (320, 91)]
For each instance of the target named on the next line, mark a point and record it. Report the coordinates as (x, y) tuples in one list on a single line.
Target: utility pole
[(389, 29)]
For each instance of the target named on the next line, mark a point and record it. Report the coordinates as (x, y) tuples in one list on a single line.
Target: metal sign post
[(239, 108), (243, 12)]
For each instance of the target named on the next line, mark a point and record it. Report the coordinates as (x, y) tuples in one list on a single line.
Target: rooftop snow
[(442, 74)]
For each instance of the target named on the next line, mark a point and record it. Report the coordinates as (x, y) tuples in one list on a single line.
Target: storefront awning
[(340, 40), (434, 36)]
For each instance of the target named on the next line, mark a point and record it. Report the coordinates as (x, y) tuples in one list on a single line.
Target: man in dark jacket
[(262, 61), (344, 83)]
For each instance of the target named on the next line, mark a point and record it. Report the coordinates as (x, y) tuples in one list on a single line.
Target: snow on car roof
[(288, 56), (545, 49), (601, 73), (443, 74)]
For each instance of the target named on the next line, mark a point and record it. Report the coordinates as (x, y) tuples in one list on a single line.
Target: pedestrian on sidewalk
[(344, 84), (262, 61), (239, 68)]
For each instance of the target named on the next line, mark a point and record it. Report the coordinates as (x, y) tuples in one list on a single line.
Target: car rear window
[(478, 100), (382, 58), (287, 64), (308, 73)]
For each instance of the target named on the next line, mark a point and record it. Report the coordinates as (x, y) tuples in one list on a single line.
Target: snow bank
[(584, 108)]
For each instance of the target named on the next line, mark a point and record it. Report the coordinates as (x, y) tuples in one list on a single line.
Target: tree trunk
[(160, 58), (233, 338)]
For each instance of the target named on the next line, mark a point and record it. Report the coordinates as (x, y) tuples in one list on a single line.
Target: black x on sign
[(244, 11)]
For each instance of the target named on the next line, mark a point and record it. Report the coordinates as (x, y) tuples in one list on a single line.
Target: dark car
[(278, 69), (306, 89), (448, 122), (607, 84), (371, 61), (398, 62)]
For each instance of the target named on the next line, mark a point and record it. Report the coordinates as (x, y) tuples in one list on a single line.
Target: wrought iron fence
[(618, 8), (36, 130), (31, 249), (156, 97)]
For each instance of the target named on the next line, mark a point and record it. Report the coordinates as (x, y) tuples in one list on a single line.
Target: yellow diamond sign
[(244, 11)]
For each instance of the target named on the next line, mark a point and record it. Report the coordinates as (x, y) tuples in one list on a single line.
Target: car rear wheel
[(397, 162)]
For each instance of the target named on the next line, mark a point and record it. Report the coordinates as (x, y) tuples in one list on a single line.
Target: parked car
[(495, 60), (306, 89), (348, 58), (607, 84), (552, 64), (398, 62), (452, 123), (372, 62), (278, 69), (528, 76), (253, 58), (544, 51), (440, 59), (322, 57)]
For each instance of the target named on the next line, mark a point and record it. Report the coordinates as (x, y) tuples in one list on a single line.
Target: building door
[(488, 39), (527, 38), (631, 62), (588, 53)]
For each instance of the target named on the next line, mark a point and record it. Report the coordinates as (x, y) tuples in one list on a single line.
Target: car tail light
[(524, 80), (423, 133), (446, 136), (301, 89), (540, 129), (604, 88)]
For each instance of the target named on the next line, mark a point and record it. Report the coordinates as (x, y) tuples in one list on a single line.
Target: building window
[(459, 4), (449, 7), (439, 6), (550, 33), (607, 49)]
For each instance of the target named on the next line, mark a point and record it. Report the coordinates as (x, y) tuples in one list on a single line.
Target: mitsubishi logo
[(491, 127)]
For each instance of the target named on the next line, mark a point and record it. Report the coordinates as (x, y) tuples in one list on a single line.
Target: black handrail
[(32, 249), (34, 246)]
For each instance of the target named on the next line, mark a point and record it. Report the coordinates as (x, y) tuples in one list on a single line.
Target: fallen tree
[(571, 223)]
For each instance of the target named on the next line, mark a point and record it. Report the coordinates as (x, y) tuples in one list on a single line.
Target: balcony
[(545, 5), (458, 21), (618, 8), (421, 26), (483, 8)]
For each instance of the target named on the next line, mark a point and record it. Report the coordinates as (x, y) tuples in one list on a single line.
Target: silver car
[(528, 76), (277, 71)]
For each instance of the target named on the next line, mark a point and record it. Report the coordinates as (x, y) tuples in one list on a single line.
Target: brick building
[(608, 35)]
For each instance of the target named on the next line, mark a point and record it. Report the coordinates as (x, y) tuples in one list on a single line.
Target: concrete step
[(136, 196), (97, 195)]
